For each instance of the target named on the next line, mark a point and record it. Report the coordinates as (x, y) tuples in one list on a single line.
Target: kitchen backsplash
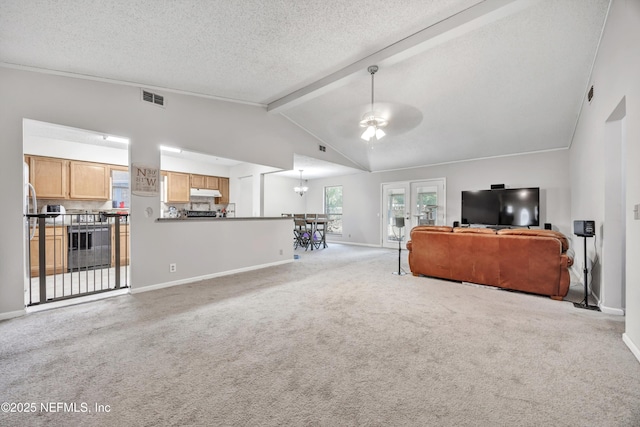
[(196, 206), (86, 205), (98, 206)]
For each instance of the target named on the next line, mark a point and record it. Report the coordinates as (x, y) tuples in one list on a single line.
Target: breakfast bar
[(209, 247)]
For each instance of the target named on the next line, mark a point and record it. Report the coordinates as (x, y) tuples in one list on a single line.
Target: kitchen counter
[(207, 219), (211, 247)]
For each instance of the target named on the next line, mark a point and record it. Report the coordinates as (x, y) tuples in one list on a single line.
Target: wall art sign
[(145, 180)]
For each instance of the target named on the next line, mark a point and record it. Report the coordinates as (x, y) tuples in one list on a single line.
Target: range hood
[(196, 192)]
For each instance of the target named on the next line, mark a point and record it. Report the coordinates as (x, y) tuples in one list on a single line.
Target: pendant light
[(372, 122), (301, 189)]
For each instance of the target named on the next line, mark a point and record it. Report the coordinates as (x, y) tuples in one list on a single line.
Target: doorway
[(611, 286), (416, 202), (76, 212)]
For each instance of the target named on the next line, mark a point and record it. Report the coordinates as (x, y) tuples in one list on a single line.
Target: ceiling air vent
[(153, 98), (322, 148)]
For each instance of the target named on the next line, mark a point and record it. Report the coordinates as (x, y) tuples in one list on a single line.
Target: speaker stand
[(585, 303), (399, 272)]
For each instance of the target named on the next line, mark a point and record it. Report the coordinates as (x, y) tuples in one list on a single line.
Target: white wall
[(246, 187), (615, 80), (362, 192), (201, 249), (188, 122), (75, 151), (176, 164), (280, 198)]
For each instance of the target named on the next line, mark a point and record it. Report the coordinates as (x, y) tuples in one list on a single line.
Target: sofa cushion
[(474, 257), (474, 230), (432, 228), (541, 233), (531, 264), (434, 257)]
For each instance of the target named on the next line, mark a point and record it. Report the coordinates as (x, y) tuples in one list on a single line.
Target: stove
[(89, 246), (201, 214)]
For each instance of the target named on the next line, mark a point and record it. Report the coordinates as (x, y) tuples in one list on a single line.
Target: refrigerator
[(30, 205)]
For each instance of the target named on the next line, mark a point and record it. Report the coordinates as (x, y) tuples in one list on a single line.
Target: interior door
[(418, 202)]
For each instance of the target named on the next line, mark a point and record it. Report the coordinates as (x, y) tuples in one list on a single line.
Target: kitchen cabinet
[(212, 182), (49, 176), (125, 250), (198, 181), (55, 250), (56, 179), (224, 190), (204, 182), (88, 181), (178, 187)]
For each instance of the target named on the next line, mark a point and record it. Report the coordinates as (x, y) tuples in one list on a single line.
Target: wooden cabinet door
[(55, 251), (198, 181), (124, 245), (224, 190), (178, 187), (89, 181), (49, 177), (212, 182)]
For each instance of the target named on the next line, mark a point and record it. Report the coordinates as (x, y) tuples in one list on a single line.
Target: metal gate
[(73, 255)]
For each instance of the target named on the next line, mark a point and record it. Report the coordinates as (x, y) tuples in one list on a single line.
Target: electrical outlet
[(281, 252), (172, 268)]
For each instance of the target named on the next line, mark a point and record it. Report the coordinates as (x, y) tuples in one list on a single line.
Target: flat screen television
[(507, 207)]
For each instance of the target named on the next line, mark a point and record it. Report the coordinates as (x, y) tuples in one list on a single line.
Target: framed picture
[(145, 180)]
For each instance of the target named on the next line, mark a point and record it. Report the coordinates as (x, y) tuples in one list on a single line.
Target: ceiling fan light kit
[(371, 120)]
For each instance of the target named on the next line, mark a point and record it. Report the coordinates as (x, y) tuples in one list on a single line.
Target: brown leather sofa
[(527, 260)]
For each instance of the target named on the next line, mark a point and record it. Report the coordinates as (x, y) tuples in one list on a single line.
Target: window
[(333, 208), (395, 209), (120, 188), (427, 205)]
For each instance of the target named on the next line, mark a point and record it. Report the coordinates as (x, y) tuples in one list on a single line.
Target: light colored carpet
[(333, 339)]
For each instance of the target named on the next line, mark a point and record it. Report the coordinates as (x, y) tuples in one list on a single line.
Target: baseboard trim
[(11, 314), (634, 349), (206, 276), (611, 310), (77, 300), (367, 245)]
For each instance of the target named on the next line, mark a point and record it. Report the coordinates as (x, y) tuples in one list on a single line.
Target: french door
[(416, 202)]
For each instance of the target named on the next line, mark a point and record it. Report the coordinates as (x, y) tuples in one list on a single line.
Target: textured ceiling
[(458, 79)]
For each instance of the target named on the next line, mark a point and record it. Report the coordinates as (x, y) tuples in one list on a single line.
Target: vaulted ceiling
[(457, 79)]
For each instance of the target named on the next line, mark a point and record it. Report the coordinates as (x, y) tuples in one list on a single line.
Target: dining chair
[(320, 228), (301, 234)]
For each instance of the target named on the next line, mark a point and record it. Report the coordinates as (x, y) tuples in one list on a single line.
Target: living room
[(573, 180)]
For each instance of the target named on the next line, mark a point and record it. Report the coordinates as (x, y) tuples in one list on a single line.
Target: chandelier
[(371, 121), (301, 189)]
